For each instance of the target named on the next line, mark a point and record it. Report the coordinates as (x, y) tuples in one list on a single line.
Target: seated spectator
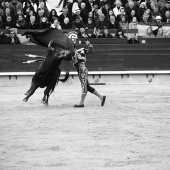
[(133, 39), (145, 18), (105, 9), (82, 33), (133, 14), (96, 33), (67, 24), (1, 23), (106, 34), (120, 34), (122, 13), (76, 6), (113, 24), (52, 16), (32, 23), (37, 5), (13, 39), (28, 6), (102, 3), (21, 23), (56, 25), (133, 24), (39, 16), (116, 9), (141, 11), (160, 33), (19, 12), (7, 5), (90, 24), (77, 14), (65, 14), (158, 20), (44, 24), (7, 12), (77, 24), (109, 14), (31, 13), (16, 5), (102, 23), (166, 8), (155, 13), (129, 8), (167, 17), (4, 39), (84, 12), (148, 12), (149, 33), (89, 5), (123, 23), (43, 8), (9, 23)]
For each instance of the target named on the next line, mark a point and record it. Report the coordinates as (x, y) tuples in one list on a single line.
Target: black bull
[(48, 73)]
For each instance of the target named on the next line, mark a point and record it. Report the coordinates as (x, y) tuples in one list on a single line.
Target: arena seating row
[(106, 57)]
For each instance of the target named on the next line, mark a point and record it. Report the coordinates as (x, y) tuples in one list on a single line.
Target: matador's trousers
[(83, 76)]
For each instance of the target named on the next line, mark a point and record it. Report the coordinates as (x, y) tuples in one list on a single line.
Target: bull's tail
[(65, 78)]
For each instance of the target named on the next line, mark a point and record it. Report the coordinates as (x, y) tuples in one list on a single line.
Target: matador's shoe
[(103, 101), (79, 105)]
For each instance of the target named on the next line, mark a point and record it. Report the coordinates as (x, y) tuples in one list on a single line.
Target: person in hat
[(158, 20)]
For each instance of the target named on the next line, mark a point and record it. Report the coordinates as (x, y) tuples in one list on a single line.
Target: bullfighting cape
[(43, 38)]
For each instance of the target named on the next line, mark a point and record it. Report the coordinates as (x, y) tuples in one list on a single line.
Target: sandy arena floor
[(131, 132)]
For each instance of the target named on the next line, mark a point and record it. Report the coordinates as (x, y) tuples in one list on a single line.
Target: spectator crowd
[(82, 15)]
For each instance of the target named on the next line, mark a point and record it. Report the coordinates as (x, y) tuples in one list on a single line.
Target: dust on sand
[(131, 132)]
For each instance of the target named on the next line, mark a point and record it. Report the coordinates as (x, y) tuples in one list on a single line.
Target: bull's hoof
[(45, 102), (25, 99)]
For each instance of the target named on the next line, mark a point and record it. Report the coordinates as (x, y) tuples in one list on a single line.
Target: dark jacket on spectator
[(4, 39), (33, 25), (62, 17), (16, 40), (108, 36), (133, 41), (116, 25), (84, 15), (8, 25), (102, 24), (66, 26)]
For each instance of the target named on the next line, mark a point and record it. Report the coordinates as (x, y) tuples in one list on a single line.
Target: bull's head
[(57, 49)]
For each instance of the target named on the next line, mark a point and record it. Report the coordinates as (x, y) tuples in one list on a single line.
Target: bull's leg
[(30, 92), (46, 95)]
